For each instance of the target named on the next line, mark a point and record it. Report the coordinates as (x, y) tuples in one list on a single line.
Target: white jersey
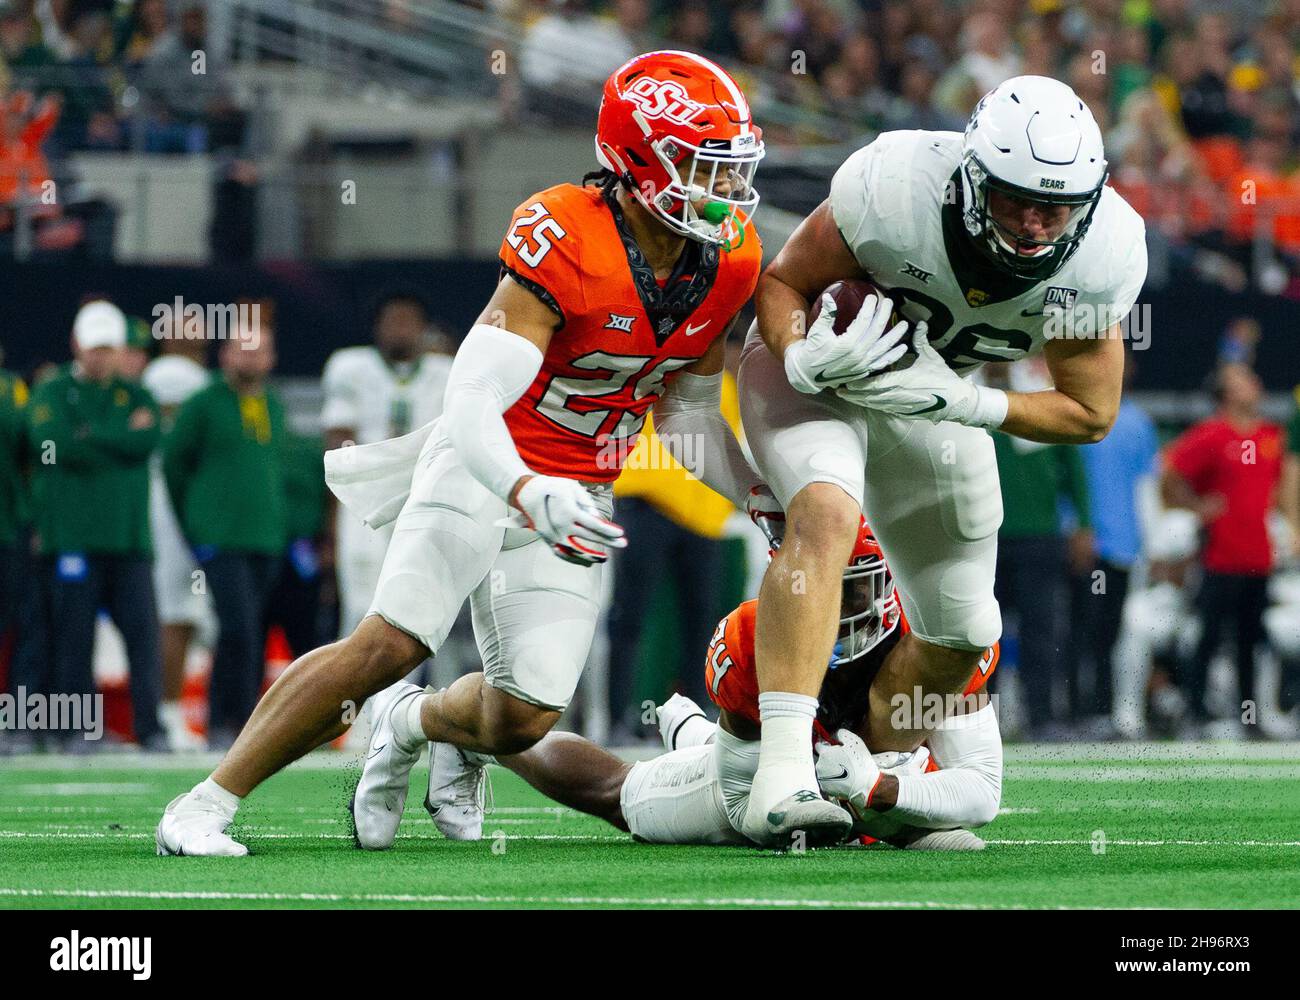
[(887, 201), (376, 400)]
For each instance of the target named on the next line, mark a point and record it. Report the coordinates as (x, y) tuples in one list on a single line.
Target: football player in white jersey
[(994, 244), (372, 393)]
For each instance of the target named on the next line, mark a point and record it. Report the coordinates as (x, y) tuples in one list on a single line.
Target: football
[(848, 296)]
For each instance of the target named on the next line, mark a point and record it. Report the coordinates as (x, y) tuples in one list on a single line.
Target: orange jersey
[(623, 336), (732, 677)]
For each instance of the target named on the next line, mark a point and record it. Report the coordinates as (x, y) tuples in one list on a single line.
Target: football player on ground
[(614, 297), (697, 792), (996, 244)]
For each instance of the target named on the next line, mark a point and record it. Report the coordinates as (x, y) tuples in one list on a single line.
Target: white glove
[(763, 510), (929, 389), (824, 359), (565, 514), (898, 762), (847, 772)]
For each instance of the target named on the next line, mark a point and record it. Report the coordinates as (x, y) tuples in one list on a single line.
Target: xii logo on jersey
[(919, 273), (664, 99), (621, 323)]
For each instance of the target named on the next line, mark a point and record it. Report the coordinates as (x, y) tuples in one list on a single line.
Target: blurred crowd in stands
[(1199, 102), (100, 75)]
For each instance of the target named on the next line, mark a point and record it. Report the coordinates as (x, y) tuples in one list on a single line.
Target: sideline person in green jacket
[(223, 464), (89, 435)]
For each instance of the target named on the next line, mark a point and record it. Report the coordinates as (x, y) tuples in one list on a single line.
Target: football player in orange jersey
[(698, 791), (614, 298)]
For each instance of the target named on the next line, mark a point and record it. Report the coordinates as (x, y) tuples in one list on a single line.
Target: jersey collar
[(686, 288)]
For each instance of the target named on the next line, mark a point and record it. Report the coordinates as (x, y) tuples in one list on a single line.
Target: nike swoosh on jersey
[(691, 331)]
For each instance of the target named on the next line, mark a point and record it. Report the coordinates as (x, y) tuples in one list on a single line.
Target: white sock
[(228, 802), (786, 739), (406, 722)]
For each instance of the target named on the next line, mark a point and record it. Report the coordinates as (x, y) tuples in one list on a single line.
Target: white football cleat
[(798, 818), (914, 838), (380, 795), (457, 792), (194, 826)]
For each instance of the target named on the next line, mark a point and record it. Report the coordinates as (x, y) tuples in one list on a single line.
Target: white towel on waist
[(374, 480)]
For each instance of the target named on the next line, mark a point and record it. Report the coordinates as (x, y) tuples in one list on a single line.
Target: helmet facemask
[(1000, 245), (867, 612), (694, 172)]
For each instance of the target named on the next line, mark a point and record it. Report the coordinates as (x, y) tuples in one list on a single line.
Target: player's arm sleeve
[(690, 424), (492, 370), (342, 410), (967, 789)]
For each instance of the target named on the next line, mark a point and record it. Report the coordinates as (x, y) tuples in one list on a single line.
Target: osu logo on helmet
[(677, 131), (664, 99)]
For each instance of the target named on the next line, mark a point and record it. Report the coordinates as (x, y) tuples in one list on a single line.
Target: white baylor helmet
[(1033, 139)]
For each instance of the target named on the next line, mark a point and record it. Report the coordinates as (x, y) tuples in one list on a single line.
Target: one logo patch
[(1059, 297), (976, 297), (919, 273), (621, 323), (1051, 183)]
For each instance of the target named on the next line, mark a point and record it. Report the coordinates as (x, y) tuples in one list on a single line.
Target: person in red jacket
[(1226, 469)]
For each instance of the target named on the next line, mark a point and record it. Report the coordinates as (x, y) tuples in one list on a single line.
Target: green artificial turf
[(1089, 826)]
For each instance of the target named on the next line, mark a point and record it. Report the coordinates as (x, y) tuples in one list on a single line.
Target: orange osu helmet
[(673, 127)]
